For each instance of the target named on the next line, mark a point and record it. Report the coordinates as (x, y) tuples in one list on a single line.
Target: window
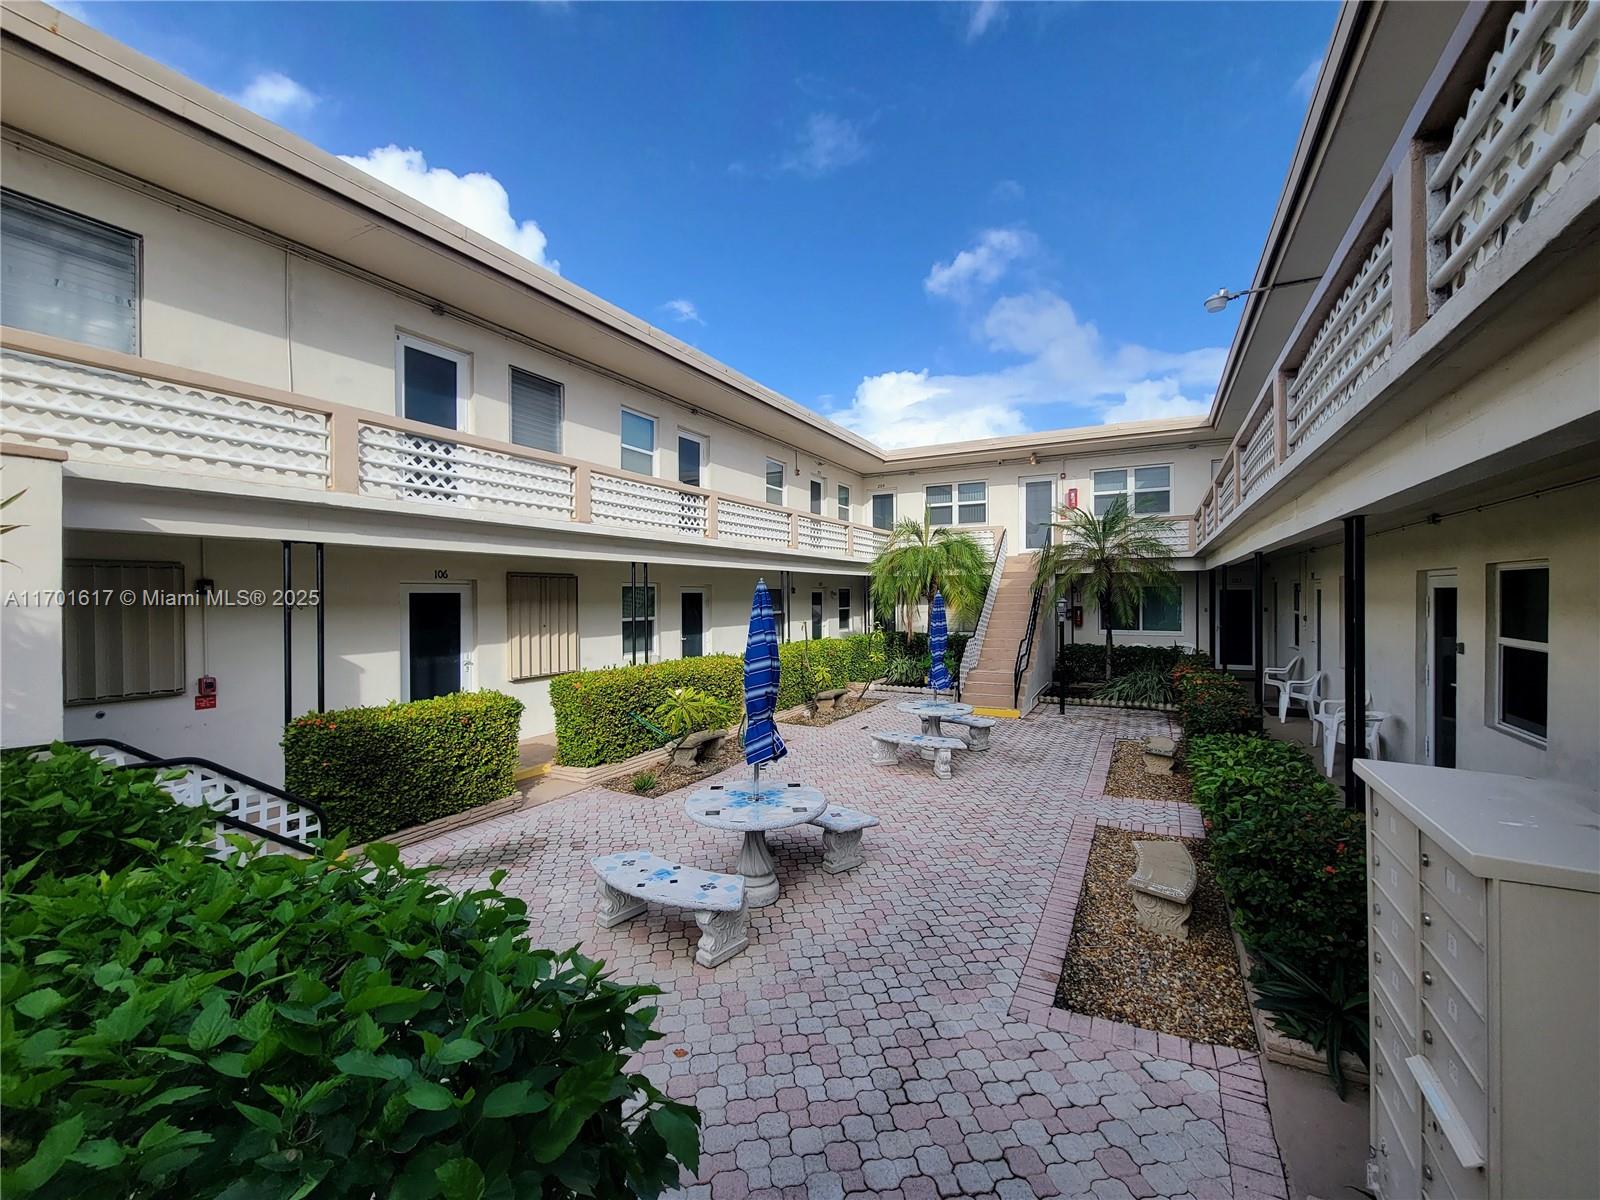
[(774, 481), (691, 459), (1160, 611), (116, 650), (638, 621), (972, 506), (67, 276), (844, 503), (816, 497), (779, 607), (1522, 648), (938, 502), (432, 382), (817, 619), (535, 411), (1147, 490), (883, 510), (541, 625), (844, 611), (638, 443)]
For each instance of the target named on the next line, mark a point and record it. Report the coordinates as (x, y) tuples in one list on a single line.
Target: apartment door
[(693, 624), (818, 618), (1237, 641), (883, 510), (1038, 501), (691, 459), (1440, 743), (437, 640)]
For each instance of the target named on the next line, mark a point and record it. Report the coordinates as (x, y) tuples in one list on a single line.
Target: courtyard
[(890, 1031)]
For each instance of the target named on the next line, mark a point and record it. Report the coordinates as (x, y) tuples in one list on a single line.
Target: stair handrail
[(1025, 647), (974, 647)]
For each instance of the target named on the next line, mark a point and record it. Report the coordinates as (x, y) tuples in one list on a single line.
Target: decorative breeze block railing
[(870, 542), (974, 648), (741, 522), (1524, 133), (106, 416), (1256, 459), (986, 539), (1224, 490), (615, 500), (822, 536), (1352, 342), (411, 466), (203, 787), (1174, 532)]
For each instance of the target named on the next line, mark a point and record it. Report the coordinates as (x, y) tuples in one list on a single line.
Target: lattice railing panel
[(106, 416), (619, 501), (751, 523), (412, 466), (870, 542), (205, 788), (1174, 533), (824, 536), (1525, 131), (1256, 459), (1352, 342), (1224, 490)]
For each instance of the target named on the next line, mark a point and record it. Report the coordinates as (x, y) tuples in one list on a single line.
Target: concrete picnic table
[(934, 711), (741, 808)]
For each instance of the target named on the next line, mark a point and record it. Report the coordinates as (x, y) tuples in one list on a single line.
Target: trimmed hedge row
[(595, 710), (1086, 661), (1211, 701), (379, 769)]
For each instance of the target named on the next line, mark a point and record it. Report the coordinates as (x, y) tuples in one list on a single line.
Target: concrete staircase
[(990, 684)]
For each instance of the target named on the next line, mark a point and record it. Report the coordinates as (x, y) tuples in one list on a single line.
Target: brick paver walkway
[(889, 1030)]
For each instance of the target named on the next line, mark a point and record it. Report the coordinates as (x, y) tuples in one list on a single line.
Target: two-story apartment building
[(235, 365)]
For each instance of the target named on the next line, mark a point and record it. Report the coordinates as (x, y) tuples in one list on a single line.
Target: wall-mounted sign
[(1072, 497)]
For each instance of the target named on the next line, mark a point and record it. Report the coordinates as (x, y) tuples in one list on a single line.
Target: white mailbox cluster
[(1484, 951)]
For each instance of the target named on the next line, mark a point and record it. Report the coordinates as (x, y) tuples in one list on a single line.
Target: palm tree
[(1112, 559), (921, 559)]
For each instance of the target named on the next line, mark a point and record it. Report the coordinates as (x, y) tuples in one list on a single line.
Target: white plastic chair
[(1335, 732), (1276, 677), (1328, 715), (1305, 692)]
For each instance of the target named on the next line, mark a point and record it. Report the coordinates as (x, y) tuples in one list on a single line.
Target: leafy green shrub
[(376, 770), (1212, 702), (280, 1027), (905, 671), (1233, 775), (78, 814), (1086, 660), (643, 782), (688, 710), (1147, 686), (916, 649), (1323, 1010)]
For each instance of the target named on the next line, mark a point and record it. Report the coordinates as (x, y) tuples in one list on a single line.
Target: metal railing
[(973, 650), (1025, 647)]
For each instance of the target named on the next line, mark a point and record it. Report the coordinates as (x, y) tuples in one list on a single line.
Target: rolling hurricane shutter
[(122, 632), (67, 276), (535, 412)]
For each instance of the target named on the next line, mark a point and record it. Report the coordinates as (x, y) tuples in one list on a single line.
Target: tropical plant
[(921, 559), (1147, 686), (904, 671), (5, 529), (689, 710), (643, 782), (1111, 559), (1330, 1014)]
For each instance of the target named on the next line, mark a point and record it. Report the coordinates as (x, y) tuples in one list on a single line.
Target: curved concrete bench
[(1163, 884), (886, 749), (630, 880), (841, 837), (977, 729)]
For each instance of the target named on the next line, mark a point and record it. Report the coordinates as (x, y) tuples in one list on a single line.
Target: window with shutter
[(535, 411), (541, 625), (122, 634), (68, 276)]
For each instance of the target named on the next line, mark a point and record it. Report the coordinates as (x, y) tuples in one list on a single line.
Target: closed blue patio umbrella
[(761, 741), (938, 640)]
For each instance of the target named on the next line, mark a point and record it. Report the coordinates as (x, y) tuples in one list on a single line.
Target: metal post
[(1355, 653), (633, 608), (322, 670), (1259, 648), (288, 635), (1211, 619), (647, 608)]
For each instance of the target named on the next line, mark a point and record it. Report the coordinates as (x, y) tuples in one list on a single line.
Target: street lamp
[(1222, 297)]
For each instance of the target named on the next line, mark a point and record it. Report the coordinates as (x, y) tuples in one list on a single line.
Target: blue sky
[(929, 222)]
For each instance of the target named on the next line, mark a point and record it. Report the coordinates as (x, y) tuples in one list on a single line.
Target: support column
[(31, 634), (322, 641), (288, 633), (1355, 653), (1211, 618), (1257, 561)]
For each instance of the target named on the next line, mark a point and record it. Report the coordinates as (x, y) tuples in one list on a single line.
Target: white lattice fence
[(751, 523), (1224, 490), (411, 466), (1352, 342), (206, 788), (825, 536), (1525, 131), (1256, 460), (1174, 532), (618, 501), (106, 416), (870, 542)]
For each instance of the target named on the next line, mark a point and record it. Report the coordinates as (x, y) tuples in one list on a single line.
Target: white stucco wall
[(30, 624)]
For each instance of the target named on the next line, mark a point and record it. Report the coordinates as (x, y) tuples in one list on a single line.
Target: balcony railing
[(108, 408), (1452, 205)]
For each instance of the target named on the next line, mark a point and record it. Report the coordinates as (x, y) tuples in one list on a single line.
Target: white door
[(1038, 510), (437, 638)]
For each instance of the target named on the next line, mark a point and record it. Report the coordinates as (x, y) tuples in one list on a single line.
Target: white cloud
[(1008, 190), (1306, 82), (478, 200), (985, 263), (275, 96), (683, 309), (1058, 361), (985, 15), (827, 143)]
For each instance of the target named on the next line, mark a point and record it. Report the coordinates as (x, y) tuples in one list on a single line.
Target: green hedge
[(1085, 662), (595, 710), (1212, 701), (376, 770), (330, 1027)]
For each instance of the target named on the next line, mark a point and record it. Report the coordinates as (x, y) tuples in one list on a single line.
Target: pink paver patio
[(889, 1031)]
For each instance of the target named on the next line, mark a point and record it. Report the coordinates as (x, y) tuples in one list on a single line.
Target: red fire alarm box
[(205, 692), (1072, 502)]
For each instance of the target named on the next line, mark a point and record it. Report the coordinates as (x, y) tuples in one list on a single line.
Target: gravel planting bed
[(1128, 777), (1118, 970), (844, 707), (669, 778)]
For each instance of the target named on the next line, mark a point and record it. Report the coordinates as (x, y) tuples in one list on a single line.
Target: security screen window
[(68, 276)]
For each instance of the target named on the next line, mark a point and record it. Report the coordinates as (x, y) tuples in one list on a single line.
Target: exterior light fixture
[(1222, 297)]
